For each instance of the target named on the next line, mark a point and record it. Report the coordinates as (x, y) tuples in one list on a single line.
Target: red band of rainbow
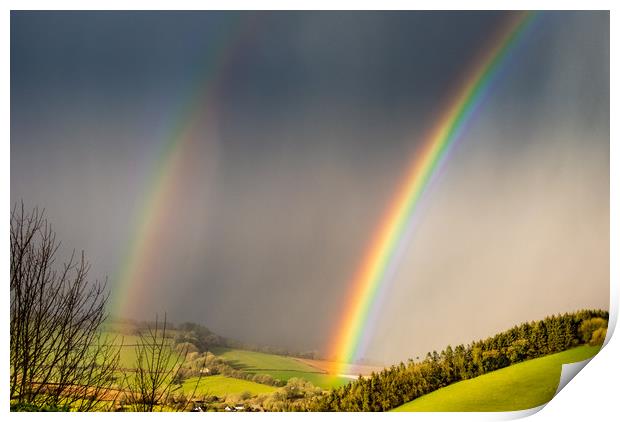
[(371, 274)]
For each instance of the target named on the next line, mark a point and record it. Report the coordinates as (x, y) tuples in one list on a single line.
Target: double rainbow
[(388, 241), (390, 237)]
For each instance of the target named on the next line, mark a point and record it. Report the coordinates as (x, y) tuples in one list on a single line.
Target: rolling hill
[(279, 367), (517, 387)]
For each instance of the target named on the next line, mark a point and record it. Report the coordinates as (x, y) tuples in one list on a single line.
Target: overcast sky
[(310, 123)]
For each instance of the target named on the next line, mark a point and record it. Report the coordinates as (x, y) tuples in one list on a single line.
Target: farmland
[(127, 347), (279, 367), (220, 385)]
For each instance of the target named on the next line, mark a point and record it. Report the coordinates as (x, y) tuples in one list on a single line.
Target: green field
[(517, 387), (279, 367), (220, 385), (127, 354)]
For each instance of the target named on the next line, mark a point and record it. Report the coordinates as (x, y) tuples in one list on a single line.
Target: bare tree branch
[(58, 355)]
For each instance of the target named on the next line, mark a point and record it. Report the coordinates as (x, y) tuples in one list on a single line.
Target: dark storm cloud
[(317, 115)]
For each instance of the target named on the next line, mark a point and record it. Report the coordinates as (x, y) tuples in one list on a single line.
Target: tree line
[(402, 383)]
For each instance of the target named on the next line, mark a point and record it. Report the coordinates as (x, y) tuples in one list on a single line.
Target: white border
[(593, 393)]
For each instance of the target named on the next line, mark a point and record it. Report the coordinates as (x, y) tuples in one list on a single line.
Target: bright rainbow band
[(390, 235)]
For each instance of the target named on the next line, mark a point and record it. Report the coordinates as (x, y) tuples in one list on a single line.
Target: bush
[(589, 326), (186, 347), (598, 336), (264, 379)]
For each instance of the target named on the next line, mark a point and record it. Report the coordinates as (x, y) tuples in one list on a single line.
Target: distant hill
[(203, 338)]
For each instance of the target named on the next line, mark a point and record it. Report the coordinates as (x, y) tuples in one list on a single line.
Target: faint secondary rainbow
[(195, 113), (391, 232)]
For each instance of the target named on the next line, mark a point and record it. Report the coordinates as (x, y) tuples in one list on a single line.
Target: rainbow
[(187, 128), (387, 243)]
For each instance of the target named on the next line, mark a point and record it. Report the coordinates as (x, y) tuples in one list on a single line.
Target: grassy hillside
[(279, 367), (219, 385), (521, 386)]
